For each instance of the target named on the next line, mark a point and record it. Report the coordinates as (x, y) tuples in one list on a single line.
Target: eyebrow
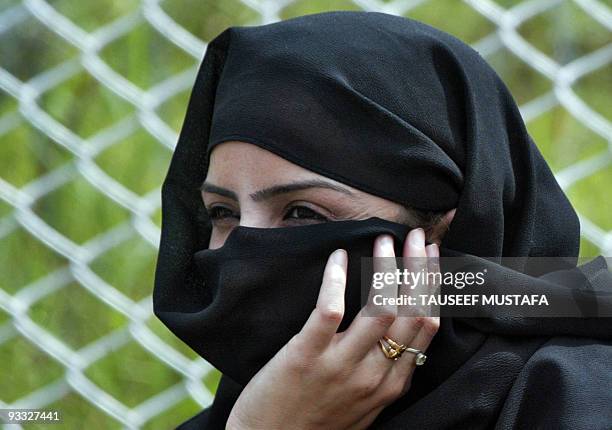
[(276, 190)]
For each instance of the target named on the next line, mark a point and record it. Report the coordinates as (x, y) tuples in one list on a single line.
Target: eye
[(221, 212), (303, 212)]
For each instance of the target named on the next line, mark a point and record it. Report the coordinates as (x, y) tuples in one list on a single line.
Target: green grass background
[(145, 57)]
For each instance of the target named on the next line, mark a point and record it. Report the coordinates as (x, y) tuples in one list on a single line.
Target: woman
[(316, 141)]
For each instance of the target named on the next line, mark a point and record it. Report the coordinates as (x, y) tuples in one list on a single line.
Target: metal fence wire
[(92, 95)]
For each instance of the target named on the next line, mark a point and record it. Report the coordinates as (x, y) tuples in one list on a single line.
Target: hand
[(324, 379)]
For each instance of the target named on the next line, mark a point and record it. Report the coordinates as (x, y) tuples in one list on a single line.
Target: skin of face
[(249, 186)]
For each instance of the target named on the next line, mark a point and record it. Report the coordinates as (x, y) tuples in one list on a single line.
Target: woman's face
[(250, 186)]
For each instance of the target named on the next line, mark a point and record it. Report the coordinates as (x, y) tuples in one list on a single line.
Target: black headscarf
[(398, 109)]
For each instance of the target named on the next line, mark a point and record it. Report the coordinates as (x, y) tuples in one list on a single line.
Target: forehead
[(235, 161), (245, 167)]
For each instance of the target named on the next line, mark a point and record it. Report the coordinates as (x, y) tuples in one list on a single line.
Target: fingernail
[(339, 257), (386, 242), (417, 237)]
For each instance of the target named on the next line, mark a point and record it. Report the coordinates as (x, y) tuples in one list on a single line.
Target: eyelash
[(215, 213)]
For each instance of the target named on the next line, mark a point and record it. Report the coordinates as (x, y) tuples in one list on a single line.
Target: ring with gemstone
[(420, 357)]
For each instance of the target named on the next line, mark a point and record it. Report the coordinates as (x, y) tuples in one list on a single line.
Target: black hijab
[(398, 109)]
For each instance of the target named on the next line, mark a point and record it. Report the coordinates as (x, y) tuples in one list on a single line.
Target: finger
[(325, 319), (433, 267), (405, 327), (405, 366), (426, 327), (373, 321), (414, 245), (429, 328), (383, 264), (414, 253), (433, 252), (431, 323), (414, 260)]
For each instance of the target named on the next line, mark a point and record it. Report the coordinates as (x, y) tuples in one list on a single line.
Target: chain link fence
[(92, 96)]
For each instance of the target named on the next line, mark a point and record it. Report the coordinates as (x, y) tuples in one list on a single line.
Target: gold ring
[(394, 350), (394, 344), (391, 348)]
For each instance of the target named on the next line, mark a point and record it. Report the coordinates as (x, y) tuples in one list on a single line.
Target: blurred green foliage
[(146, 57)]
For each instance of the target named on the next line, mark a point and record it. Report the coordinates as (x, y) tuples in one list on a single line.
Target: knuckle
[(389, 389), (431, 325), (384, 319), (335, 373), (330, 314), (367, 387), (418, 313)]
